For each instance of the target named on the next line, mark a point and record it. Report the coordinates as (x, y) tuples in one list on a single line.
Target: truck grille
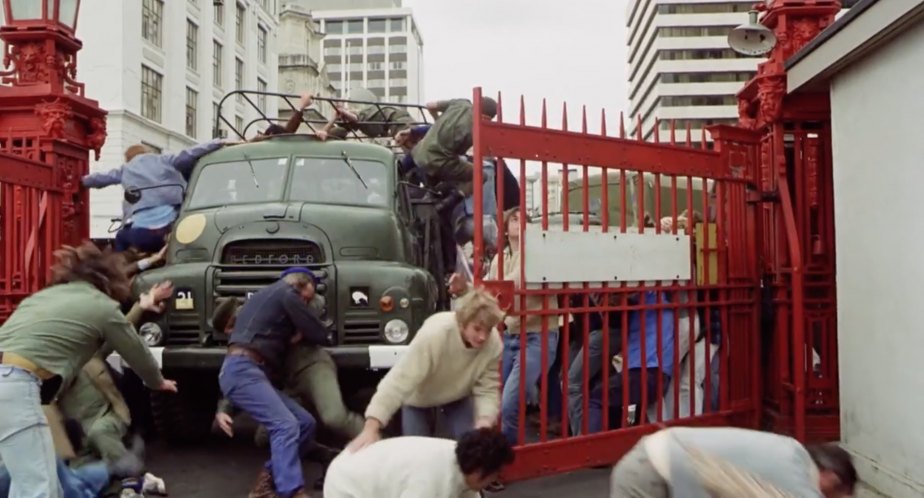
[(272, 252), (183, 328), (238, 282), (361, 328)]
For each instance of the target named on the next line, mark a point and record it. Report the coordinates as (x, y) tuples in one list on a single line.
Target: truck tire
[(185, 417)]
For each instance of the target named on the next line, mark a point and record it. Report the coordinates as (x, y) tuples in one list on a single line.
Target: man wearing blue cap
[(269, 322)]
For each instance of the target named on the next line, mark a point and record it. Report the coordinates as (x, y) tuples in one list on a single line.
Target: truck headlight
[(152, 334), (396, 331)]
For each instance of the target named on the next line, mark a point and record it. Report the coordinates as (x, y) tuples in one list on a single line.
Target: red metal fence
[(30, 226), (711, 309)]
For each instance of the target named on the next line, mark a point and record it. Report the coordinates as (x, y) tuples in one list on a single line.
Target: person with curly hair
[(414, 466), (46, 342)]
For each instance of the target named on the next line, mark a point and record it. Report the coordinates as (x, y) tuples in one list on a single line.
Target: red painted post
[(49, 128)]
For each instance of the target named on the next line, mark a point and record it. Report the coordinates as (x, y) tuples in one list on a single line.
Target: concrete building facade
[(373, 44), (680, 65), (301, 67), (161, 68)]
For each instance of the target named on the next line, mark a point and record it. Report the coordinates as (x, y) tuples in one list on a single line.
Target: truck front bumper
[(376, 357)]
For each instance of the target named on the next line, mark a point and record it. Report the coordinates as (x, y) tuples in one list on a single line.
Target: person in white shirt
[(420, 467), (452, 364)]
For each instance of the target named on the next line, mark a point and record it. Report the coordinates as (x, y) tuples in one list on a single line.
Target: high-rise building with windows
[(680, 65), (372, 44), (161, 67)]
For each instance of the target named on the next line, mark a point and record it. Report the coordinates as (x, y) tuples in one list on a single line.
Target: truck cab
[(255, 209)]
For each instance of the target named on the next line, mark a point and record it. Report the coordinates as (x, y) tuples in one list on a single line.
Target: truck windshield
[(239, 182), (332, 181)]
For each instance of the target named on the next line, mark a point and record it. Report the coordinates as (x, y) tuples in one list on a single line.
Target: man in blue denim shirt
[(161, 179), (269, 322), (643, 326)]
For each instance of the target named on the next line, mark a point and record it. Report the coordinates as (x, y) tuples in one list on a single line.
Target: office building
[(680, 65), (372, 44), (161, 68)]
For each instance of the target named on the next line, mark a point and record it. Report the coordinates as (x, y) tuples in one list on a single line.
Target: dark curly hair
[(833, 458), (483, 451), (104, 269)]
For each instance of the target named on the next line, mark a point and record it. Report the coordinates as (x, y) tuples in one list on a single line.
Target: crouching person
[(728, 462), (274, 318), (452, 364), (421, 466)]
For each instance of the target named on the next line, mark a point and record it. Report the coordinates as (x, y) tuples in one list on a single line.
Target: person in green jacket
[(46, 342), (441, 151)]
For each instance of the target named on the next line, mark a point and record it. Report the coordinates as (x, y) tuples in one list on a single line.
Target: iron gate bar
[(18, 170)]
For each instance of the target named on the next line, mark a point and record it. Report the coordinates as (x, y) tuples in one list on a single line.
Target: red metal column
[(48, 129), (797, 226)]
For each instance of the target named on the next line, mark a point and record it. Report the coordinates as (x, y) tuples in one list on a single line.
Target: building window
[(261, 44), (192, 45), (355, 27), (698, 54), (151, 89), (692, 31), (217, 66), (152, 15), (239, 23), (219, 14), (397, 24), (333, 27), (239, 124), (708, 77), (698, 100), (261, 98), (192, 104), (239, 77), (705, 8), (215, 125), (266, 5), (377, 25)]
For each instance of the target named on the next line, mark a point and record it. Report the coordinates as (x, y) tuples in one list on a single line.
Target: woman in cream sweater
[(531, 322)]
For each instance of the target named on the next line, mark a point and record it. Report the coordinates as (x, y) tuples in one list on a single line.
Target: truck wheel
[(184, 417)]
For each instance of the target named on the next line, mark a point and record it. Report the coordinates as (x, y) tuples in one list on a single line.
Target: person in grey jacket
[(161, 181), (726, 462)]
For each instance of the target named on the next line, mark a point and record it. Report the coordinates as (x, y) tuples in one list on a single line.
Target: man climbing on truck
[(440, 152)]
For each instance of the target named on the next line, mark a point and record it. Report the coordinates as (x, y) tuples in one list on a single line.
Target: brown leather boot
[(264, 487)]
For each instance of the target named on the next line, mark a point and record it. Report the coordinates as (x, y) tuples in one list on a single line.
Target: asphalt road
[(226, 468)]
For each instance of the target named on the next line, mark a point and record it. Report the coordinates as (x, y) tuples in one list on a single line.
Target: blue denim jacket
[(149, 170), (270, 318), (650, 334)]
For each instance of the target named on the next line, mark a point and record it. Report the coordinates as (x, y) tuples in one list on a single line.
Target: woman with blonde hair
[(539, 328)]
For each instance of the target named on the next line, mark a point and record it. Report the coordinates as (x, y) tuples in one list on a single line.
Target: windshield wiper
[(349, 163), (253, 174)]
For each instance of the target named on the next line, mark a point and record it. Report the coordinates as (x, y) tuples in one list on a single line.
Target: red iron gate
[(703, 275)]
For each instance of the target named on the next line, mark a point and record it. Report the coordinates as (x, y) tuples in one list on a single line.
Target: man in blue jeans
[(633, 361), (269, 322), (161, 181)]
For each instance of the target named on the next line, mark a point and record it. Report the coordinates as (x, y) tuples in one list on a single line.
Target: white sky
[(562, 50)]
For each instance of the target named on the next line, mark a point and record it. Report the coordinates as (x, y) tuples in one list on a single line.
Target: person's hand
[(153, 300), (225, 423), (167, 386), (296, 338), (157, 258), (402, 137), (457, 284), (322, 135), (484, 423), (368, 436), (306, 100)]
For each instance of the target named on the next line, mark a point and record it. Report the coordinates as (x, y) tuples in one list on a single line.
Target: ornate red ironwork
[(796, 226), (48, 128)]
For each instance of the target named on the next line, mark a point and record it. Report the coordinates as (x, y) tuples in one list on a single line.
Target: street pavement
[(223, 468)]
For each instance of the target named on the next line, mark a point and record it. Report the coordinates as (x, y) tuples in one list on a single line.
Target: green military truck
[(251, 211)]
